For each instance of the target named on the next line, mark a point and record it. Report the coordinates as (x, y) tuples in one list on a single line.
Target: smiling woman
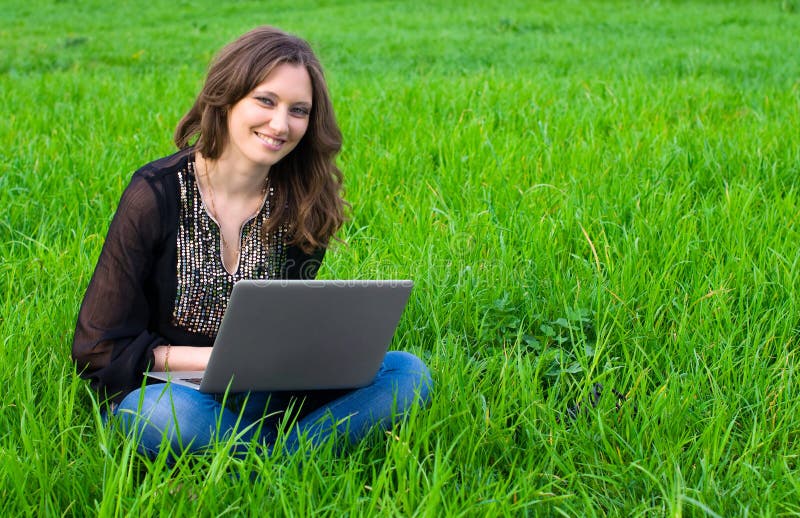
[(257, 196)]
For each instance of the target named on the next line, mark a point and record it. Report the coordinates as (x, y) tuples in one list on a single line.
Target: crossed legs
[(189, 421)]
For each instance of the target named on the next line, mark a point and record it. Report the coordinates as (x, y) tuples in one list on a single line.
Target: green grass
[(584, 192)]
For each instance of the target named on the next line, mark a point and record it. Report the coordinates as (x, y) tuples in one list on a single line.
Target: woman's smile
[(272, 142)]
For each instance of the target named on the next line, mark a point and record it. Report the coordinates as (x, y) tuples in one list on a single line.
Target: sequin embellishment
[(204, 285)]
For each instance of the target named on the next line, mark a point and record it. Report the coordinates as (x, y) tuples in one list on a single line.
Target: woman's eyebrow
[(269, 93)]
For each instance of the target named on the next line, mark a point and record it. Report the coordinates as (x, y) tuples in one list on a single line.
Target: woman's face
[(266, 124)]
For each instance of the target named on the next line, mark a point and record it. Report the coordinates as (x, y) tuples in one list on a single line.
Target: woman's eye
[(265, 101), (301, 111)]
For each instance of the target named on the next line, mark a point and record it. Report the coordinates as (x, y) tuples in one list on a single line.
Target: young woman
[(257, 195)]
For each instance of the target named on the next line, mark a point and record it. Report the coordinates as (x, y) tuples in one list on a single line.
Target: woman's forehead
[(288, 81)]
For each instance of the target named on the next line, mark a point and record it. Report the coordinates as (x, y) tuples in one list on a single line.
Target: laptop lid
[(281, 335)]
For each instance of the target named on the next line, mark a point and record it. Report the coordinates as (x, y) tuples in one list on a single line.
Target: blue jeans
[(188, 421)]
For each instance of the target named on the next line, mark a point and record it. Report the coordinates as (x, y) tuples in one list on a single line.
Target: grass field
[(584, 192)]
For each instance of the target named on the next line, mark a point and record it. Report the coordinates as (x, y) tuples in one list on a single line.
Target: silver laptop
[(300, 335)]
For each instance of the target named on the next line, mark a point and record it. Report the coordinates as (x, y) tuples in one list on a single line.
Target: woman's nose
[(280, 121)]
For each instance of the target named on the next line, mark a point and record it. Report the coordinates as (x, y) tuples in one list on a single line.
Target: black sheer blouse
[(160, 279)]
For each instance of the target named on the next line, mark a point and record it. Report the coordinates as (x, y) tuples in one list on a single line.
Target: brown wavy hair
[(307, 182)]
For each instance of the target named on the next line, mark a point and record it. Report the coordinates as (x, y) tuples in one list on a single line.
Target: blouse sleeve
[(300, 265), (112, 345)]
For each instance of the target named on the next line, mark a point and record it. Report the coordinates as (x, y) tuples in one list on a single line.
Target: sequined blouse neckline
[(263, 211), (203, 283)]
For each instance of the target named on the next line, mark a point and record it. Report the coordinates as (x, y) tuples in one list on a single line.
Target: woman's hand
[(181, 358)]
